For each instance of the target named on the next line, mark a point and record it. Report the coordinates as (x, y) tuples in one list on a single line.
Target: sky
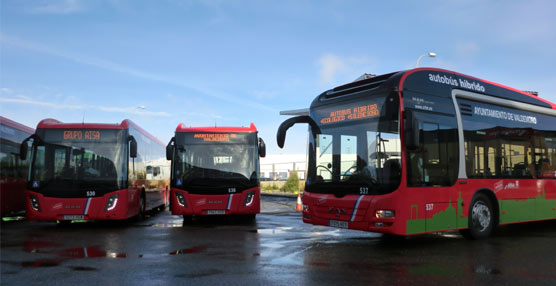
[(230, 63)]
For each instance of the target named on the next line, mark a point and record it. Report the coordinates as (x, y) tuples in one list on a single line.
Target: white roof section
[(295, 112)]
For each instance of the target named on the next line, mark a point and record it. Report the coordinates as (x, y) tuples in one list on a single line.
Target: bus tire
[(142, 206), (250, 217), (64, 223), (481, 218), (187, 219)]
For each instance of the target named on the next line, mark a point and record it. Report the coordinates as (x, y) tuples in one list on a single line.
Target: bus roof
[(16, 125), (50, 123), (182, 128), (435, 81)]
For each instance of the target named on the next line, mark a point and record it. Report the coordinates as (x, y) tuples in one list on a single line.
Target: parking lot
[(276, 249)]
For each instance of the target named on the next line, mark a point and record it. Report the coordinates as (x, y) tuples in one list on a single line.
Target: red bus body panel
[(421, 210), (223, 204), (416, 213), (12, 189), (12, 195), (94, 208)]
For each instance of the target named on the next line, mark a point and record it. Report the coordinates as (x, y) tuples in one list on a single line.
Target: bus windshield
[(214, 162), (360, 153), (78, 163)]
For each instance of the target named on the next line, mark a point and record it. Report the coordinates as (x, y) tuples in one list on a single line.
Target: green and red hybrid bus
[(428, 150), (215, 171), (92, 171), (13, 170)]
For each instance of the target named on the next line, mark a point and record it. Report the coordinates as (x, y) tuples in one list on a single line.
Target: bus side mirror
[(23, 149), (170, 149), (132, 147), (411, 131), (281, 134), (262, 148)]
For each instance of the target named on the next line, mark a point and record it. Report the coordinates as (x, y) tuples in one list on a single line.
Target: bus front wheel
[(481, 218)]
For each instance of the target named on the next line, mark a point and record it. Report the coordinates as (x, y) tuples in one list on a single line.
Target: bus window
[(348, 158), (324, 157), (434, 163)]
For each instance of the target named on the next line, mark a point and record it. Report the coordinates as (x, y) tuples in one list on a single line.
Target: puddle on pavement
[(191, 250), (208, 272), (78, 252), (483, 269), (167, 225), (83, 268), (47, 247), (42, 263), (278, 230)]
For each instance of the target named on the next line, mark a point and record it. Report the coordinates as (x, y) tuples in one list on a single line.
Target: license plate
[(338, 223), (216, 212), (73, 217)]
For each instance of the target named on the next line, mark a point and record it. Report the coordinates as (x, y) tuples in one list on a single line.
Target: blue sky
[(231, 63)]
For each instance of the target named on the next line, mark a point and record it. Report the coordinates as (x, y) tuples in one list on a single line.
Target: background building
[(278, 167)]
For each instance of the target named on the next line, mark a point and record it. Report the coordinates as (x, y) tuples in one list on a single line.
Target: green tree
[(292, 184)]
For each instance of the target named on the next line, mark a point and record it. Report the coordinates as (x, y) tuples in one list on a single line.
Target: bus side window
[(435, 162)]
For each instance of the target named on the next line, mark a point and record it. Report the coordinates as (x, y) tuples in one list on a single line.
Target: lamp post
[(133, 113), (431, 55)]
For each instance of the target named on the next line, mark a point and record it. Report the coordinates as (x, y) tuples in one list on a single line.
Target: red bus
[(428, 150), (91, 171), (13, 170), (215, 171)]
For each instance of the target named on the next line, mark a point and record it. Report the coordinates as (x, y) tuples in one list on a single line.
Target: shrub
[(292, 184)]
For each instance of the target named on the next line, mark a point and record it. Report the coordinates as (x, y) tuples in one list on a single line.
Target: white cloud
[(57, 7), (115, 67), (264, 95), (330, 65), (334, 68), (127, 110)]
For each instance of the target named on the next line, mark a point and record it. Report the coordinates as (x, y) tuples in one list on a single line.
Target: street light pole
[(431, 55), (134, 109)]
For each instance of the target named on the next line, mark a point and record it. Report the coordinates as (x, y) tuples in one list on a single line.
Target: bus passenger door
[(432, 168)]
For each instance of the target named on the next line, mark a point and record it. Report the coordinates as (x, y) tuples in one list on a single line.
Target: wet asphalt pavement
[(276, 249)]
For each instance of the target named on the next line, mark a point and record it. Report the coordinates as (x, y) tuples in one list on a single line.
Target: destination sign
[(351, 113), (214, 137), (187, 138), (75, 135)]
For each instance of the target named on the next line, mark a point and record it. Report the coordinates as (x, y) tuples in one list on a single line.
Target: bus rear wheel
[(187, 219), (142, 205), (481, 218)]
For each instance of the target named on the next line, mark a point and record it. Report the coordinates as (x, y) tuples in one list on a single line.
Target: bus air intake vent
[(356, 86), (466, 109)]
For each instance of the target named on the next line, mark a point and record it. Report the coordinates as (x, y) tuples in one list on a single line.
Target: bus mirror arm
[(132, 147), (281, 134), (411, 131), (170, 149)]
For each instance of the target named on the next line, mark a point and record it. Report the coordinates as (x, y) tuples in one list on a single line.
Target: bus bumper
[(184, 203), (111, 206), (357, 212)]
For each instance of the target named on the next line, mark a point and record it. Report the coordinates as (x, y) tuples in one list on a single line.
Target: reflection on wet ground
[(273, 249), (195, 249)]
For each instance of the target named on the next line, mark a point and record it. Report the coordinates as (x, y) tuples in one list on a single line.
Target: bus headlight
[(181, 199), (249, 199), (112, 202), (385, 214), (35, 203)]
